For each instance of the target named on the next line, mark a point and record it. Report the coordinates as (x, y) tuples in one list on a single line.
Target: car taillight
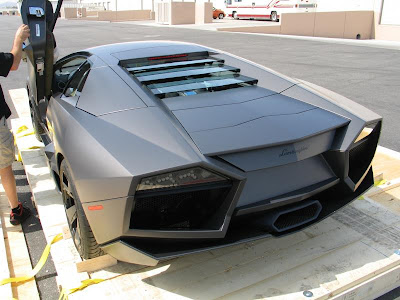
[(167, 57), (180, 178)]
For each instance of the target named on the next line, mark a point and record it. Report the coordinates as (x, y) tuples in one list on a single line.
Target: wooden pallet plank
[(314, 276), (225, 273), (390, 199), (96, 263), (374, 287), (17, 254), (388, 162), (238, 277), (5, 290), (20, 101)]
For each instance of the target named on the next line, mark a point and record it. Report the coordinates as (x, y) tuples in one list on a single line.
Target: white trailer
[(266, 9)]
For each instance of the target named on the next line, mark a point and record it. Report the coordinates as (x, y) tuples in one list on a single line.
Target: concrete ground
[(366, 73)]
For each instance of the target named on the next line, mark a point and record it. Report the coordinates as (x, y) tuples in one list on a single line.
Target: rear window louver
[(186, 74)]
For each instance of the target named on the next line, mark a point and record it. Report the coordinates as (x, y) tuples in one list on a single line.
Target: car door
[(76, 79), (65, 70), (39, 50), (68, 79)]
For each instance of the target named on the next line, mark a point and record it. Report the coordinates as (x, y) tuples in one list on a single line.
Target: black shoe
[(19, 215)]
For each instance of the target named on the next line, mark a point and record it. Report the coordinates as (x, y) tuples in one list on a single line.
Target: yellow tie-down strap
[(21, 132), (39, 265), (85, 283), (65, 292)]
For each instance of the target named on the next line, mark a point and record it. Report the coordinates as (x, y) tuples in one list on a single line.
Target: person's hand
[(23, 33)]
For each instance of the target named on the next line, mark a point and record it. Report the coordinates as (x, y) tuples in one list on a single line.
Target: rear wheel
[(234, 15), (220, 16), (81, 232), (274, 16)]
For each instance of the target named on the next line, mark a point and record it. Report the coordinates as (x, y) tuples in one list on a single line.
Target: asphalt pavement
[(366, 74)]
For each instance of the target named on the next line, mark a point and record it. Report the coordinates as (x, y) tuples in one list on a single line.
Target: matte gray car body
[(283, 144)]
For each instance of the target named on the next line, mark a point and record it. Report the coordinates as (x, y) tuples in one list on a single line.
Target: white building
[(390, 9), (130, 4)]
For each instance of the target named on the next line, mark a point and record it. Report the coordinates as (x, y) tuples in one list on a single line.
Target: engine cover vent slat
[(185, 74), (175, 65), (211, 85), (182, 74)]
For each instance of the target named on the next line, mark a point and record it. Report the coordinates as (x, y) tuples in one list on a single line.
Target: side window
[(64, 72), (76, 83)]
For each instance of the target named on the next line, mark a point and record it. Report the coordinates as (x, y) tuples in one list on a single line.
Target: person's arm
[(21, 35)]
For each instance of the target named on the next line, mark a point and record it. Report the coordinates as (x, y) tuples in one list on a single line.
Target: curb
[(5, 290)]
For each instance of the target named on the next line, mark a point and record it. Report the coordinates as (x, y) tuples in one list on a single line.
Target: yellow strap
[(378, 183), (39, 265), (21, 129), (65, 292), (25, 134)]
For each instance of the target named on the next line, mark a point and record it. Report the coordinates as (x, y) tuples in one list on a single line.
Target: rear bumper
[(351, 175), (250, 227)]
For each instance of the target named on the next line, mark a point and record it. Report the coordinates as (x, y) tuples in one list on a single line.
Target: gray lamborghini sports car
[(162, 149)]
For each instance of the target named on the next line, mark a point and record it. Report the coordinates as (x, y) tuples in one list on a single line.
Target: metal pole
[(56, 14)]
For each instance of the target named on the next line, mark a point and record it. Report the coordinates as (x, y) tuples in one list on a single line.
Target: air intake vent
[(362, 153), (186, 74)]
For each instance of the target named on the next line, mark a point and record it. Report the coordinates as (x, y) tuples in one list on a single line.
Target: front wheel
[(79, 227), (235, 16), (220, 16), (37, 127)]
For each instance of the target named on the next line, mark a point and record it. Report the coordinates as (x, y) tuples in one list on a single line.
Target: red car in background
[(218, 13)]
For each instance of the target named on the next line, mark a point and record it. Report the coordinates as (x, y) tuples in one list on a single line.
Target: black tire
[(220, 16), (37, 128), (274, 16), (81, 232), (234, 15)]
